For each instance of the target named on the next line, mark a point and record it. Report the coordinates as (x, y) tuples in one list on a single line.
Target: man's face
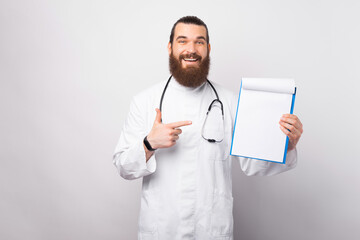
[(189, 54), (189, 40)]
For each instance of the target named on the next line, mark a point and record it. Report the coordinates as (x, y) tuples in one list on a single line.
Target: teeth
[(190, 59)]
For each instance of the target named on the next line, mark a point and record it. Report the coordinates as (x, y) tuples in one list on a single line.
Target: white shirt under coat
[(187, 189)]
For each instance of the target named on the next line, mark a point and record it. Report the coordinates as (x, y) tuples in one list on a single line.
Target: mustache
[(190, 55)]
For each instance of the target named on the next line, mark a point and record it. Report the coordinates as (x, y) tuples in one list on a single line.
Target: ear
[(169, 48), (209, 47)]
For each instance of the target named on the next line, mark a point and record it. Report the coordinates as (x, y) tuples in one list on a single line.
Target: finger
[(297, 125), (288, 126), (286, 131), (179, 124), (175, 137), (176, 131), (291, 116), (289, 121), (158, 116), (293, 135), (292, 120)]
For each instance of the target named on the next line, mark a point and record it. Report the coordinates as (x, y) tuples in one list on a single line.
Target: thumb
[(158, 116)]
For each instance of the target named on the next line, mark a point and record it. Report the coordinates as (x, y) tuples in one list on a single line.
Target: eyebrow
[(200, 37)]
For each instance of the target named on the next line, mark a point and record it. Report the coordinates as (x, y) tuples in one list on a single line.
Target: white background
[(68, 70)]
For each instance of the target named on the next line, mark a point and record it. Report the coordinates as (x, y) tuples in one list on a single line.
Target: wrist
[(148, 144)]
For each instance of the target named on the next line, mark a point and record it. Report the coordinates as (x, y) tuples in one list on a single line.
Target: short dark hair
[(189, 20)]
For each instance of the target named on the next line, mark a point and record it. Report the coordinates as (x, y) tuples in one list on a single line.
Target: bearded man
[(184, 161)]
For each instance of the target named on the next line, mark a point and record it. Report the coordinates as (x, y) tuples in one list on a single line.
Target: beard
[(192, 76)]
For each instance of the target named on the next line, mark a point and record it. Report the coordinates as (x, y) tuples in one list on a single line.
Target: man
[(187, 188)]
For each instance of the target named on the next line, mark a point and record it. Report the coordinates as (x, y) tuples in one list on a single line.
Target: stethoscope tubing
[(215, 100), (213, 88)]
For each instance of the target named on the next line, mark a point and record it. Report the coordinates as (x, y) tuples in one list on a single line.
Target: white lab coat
[(187, 189)]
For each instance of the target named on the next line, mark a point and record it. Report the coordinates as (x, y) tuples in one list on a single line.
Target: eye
[(200, 42), (181, 41)]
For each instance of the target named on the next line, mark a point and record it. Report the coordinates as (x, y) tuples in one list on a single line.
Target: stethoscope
[(210, 106)]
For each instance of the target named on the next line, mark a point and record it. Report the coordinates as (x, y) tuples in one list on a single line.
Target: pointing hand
[(165, 135)]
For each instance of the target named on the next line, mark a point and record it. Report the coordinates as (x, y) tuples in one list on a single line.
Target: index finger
[(179, 124), (289, 115)]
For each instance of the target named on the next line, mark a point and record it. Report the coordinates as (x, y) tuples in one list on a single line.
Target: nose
[(191, 47)]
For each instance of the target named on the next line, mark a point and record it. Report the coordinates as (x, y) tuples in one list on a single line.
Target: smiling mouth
[(190, 59)]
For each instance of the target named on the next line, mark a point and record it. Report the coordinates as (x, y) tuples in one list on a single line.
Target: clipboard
[(261, 103)]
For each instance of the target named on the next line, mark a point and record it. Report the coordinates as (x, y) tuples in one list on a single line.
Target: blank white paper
[(257, 133)]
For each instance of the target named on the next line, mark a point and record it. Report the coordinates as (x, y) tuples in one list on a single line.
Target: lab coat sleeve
[(129, 156), (253, 167)]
